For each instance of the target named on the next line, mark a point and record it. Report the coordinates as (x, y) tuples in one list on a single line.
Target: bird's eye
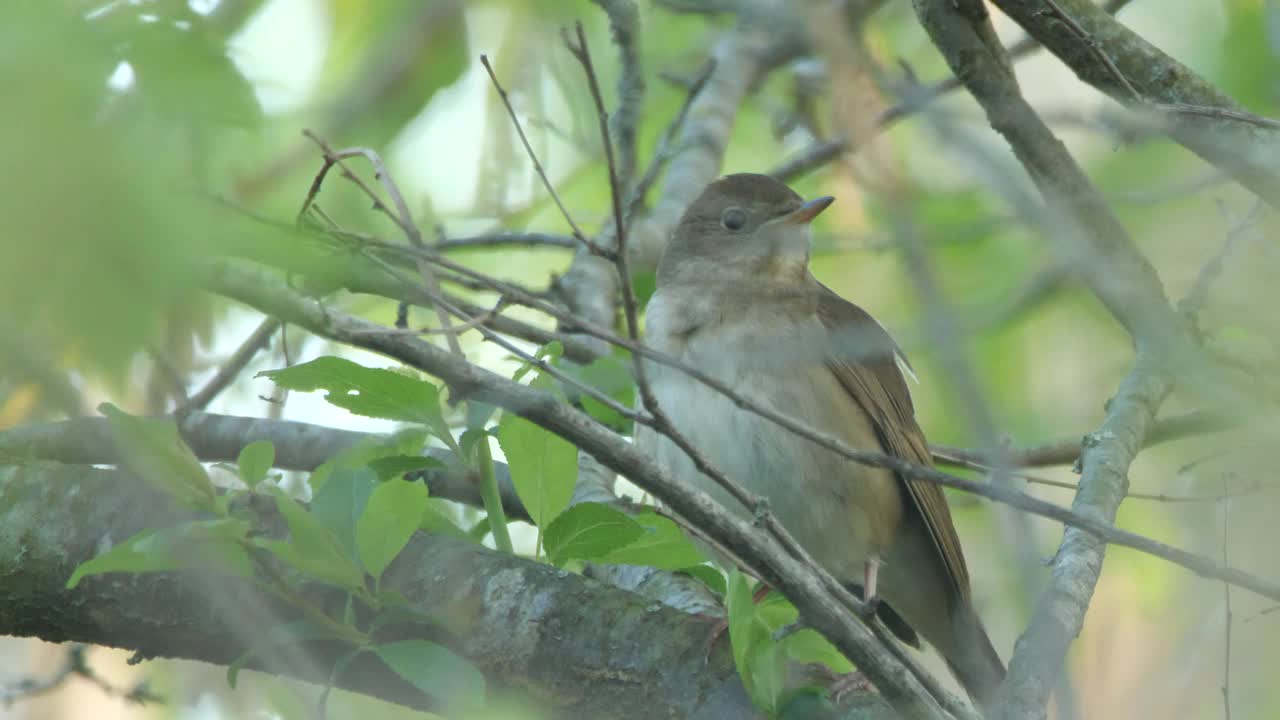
[(733, 218)]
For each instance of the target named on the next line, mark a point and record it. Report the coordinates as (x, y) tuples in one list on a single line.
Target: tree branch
[(1195, 113), (1040, 652), (577, 647)]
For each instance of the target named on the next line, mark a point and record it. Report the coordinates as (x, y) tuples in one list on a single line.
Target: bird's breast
[(828, 502)]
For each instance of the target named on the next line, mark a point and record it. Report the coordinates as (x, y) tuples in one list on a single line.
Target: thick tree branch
[(574, 646), (220, 438)]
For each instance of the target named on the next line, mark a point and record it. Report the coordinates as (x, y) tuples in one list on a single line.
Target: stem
[(492, 498)]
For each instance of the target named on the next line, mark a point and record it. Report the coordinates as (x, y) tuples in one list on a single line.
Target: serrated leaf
[(392, 516), (662, 545), (155, 452), (436, 671), (341, 501), (255, 462), (371, 392), (205, 544), (312, 549), (397, 466), (588, 531), (543, 467), (279, 636)]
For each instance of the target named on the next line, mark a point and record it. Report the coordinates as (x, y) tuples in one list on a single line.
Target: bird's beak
[(808, 211)]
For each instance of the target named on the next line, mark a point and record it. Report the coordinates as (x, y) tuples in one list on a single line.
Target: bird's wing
[(866, 366)]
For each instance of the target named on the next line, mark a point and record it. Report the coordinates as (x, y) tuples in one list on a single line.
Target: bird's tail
[(976, 664)]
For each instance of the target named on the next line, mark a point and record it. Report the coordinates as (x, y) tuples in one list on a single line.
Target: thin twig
[(1066, 452), (401, 216), (537, 165), (507, 239), (1095, 49), (636, 197), (1198, 295), (230, 369)]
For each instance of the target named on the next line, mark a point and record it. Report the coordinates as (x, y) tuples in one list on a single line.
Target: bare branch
[(230, 369), (401, 215), (537, 165), (1039, 653), (507, 239), (624, 22), (1066, 452)]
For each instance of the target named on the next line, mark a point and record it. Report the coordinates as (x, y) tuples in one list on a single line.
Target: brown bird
[(735, 298)]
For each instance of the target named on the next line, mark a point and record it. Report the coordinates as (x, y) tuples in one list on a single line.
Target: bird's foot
[(869, 607), (844, 684)]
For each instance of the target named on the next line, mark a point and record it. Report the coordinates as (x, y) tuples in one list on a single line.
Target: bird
[(735, 298)]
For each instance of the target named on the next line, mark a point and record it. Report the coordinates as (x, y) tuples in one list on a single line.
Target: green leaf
[(550, 352), (808, 646), (255, 460), (611, 376), (663, 545), (397, 466), (740, 612), (278, 636), (588, 531), (709, 576), (644, 285), (760, 663), (479, 414), (312, 549), (341, 501), (371, 392), (436, 519), (154, 451), (409, 441), (186, 74), (412, 49), (204, 545), (543, 467), (468, 440), (394, 513), (436, 671)]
